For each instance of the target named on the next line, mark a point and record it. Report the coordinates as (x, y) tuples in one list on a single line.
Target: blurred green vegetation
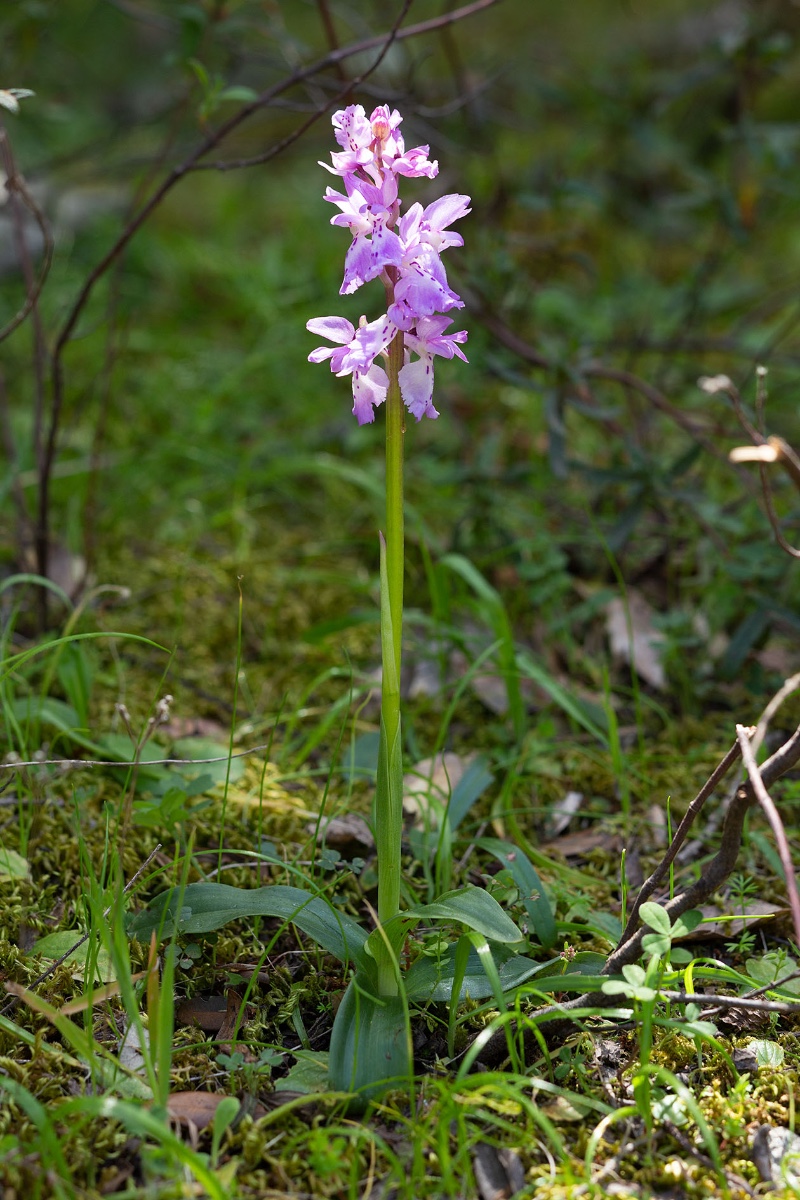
[(633, 171)]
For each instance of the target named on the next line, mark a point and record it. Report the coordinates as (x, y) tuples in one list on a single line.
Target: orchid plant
[(391, 363), (404, 252)]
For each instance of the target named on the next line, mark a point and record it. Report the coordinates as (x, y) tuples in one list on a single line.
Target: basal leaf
[(470, 787), (370, 1043), (530, 886), (208, 906), (431, 979), (475, 908)]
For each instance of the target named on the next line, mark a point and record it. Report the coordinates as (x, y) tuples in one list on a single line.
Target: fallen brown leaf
[(579, 844), (643, 649), (197, 1108)]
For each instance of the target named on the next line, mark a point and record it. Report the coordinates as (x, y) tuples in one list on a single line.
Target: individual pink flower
[(416, 378), (375, 144), (355, 355), (421, 289)]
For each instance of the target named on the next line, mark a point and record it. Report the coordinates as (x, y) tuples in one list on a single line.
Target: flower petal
[(336, 329), (369, 390), (416, 386)]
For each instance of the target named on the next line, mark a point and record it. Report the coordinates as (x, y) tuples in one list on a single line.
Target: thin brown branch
[(650, 885), (775, 822), (326, 18), (189, 164), (744, 1003), (106, 762), (25, 523), (557, 1018), (18, 190), (764, 450), (594, 370)]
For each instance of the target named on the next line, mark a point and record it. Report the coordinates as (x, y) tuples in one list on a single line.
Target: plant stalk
[(388, 795)]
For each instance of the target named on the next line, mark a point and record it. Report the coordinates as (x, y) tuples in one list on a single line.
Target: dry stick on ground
[(775, 824), (650, 885), (558, 1022), (711, 1001)]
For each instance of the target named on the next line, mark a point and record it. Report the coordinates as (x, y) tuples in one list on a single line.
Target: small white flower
[(715, 383), (10, 97)]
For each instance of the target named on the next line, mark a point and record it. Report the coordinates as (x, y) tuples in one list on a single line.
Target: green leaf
[(570, 704), (617, 987), (473, 907), (494, 612), (309, 1074), (370, 1043), (768, 1053), (686, 923), (570, 981), (470, 787), (656, 917), (208, 906), (47, 710), (771, 968), (656, 943), (634, 974), (238, 92), (199, 747), (53, 945), (484, 952), (13, 865), (527, 880), (431, 979)]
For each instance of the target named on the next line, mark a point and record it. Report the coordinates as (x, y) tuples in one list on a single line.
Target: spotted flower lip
[(403, 251)]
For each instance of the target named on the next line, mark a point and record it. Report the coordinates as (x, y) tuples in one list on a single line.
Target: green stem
[(388, 796), (395, 548)]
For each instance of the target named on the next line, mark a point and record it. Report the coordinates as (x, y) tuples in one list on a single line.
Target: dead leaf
[(776, 1153), (186, 727), (434, 778), (657, 824), (130, 1048), (234, 1025), (349, 834), (562, 813), (195, 1108), (499, 1174), (644, 653), (579, 844), (98, 995), (206, 1011)]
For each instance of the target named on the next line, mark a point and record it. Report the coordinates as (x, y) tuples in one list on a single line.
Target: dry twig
[(559, 1022)]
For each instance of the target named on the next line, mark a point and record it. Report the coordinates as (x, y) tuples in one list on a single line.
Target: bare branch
[(18, 190), (650, 885), (191, 163), (557, 1017), (775, 822)]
